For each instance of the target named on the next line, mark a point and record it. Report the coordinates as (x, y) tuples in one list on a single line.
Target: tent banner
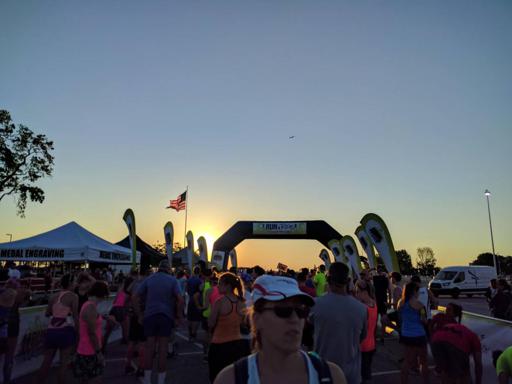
[(378, 233), (367, 245), (337, 251), (350, 250), (190, 249), (203, 249), (32, 254), (324, 256), (129, 219), (169, 238)]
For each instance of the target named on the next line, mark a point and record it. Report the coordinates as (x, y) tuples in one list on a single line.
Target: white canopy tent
[(68, 243)]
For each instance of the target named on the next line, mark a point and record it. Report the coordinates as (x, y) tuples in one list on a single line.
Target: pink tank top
[(215, 295), (368, 344), (120, 300), (85, 346)]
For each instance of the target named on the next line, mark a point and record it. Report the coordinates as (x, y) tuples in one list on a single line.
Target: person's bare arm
[(49, 307), (74, 311), (338, 377)]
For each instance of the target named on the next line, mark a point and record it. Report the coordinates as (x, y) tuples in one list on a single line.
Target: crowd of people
[(314, 325)]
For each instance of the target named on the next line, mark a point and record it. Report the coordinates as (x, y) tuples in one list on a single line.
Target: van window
[(460, 278), (446, 275)]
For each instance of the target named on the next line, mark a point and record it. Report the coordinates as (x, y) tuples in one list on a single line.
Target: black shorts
[(158, 325), (451, 360), (60, 338), (193, 313), (136, 331), (86, 366), (419, 341), (119, 313)]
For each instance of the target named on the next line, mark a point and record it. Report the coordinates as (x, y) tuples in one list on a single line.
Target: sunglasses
[(285, 312)]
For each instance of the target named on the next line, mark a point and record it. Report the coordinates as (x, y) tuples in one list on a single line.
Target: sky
[(399, 108)]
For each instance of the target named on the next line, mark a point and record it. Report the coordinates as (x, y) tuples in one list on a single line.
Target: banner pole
[(186, 213)]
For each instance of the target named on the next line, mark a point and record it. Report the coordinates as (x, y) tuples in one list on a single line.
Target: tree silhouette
[(24, 158)]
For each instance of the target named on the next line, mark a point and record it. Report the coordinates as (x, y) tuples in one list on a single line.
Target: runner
[(339, 322), (365, 294), (396, 289), (89, 361), (118, 314), (226, 318), (62, 329), (194, 315), (452, 345), (453, 314), (13, 327), (136, 337), (503, 362), (382, 288), (280, 310), (320, 281), (7, 301), (412, 332), (163, 306), (84, 282)]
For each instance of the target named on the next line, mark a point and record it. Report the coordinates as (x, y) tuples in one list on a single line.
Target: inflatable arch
[(310, 230)]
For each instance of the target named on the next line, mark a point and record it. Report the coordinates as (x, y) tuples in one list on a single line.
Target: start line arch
[(308, 230)]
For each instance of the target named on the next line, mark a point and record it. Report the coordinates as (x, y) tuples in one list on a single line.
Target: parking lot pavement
[(188, 366), (475, 304)]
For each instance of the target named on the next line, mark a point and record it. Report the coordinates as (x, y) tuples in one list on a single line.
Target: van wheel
[(455, 293), (469, 295)]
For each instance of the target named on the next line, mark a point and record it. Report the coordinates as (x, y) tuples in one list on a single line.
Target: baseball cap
[(164, 265), (277, 288)]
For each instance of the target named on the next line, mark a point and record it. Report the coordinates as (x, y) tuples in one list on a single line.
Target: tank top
[(254, 376), (207, 311), (368, 344), (411, 322), (120, 300), (85, 346), (60, 314), (215, 295), (228, 326)]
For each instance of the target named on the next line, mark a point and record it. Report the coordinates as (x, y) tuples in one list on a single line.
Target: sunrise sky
[(399, 108)]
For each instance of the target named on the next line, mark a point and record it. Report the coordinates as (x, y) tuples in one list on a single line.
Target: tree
[(24, 158), (487, 258), (405, 262), (426, 261)]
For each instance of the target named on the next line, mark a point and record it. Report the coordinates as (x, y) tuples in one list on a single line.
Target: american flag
[(180, 203)]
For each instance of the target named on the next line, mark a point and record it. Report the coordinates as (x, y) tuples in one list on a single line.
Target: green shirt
[(207, 311), (504, 363), (320, 282)]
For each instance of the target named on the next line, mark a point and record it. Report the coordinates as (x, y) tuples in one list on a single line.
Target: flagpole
[(186, 212)]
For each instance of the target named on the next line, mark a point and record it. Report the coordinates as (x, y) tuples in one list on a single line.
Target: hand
[(101, 358)]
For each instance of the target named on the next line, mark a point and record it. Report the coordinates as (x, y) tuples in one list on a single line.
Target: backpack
[(320, 365)]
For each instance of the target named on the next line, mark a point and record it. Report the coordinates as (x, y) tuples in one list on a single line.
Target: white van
[(468, 280)]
